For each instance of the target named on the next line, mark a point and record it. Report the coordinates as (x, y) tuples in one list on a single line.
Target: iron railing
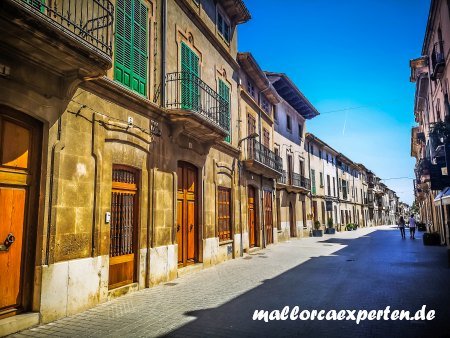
[(90, 20), (185, 90), (437, 59), (300, 181), (260, 153)]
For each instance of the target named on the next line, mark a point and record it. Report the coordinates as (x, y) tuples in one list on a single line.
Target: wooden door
[(19, 167), (123, 226), (187, 228), (268, 216), (251, 129), (291, 220), (252, 217)]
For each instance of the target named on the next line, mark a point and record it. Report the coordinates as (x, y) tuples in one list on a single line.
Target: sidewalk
[(220, 300)]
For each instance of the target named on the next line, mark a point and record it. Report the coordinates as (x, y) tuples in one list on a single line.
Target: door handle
[(10, 239), (190, 227), (178, 227)]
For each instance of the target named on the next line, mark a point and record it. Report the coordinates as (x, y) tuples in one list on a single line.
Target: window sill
[(228, 241)]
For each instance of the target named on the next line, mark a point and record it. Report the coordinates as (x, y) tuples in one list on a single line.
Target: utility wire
[(357, 107)]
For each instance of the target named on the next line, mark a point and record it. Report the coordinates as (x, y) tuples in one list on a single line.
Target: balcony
[(437, 61), (49, 47), (65, 35), (260, 160), (293, 182), (195, 108)]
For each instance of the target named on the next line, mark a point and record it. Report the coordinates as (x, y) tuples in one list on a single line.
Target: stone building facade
[(429, 144), (136, 145), (293, 200)]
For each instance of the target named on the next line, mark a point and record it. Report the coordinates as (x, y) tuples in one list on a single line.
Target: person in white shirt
[(412, 227)]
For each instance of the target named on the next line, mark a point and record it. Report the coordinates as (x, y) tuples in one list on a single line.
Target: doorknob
[(190, 227), (7, 243)]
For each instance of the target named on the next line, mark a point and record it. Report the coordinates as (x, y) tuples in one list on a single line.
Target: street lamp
[(248, 137), (251, 136)]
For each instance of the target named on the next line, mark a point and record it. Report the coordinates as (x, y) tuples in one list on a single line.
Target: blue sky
[(348, 53)]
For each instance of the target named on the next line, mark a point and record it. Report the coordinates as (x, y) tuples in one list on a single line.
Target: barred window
[(224, 214)]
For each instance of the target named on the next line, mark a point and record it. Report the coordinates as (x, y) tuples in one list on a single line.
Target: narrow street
[(367, 269)]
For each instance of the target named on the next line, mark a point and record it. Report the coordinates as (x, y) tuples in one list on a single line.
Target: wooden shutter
[(130, 64), (266, 138), (189, 80), (224, 93), (224, 214)]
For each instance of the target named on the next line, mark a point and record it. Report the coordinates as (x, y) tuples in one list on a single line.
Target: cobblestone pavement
[(365, 269)]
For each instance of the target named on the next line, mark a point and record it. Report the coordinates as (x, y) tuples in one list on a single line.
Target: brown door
[(123, 226), (252, 217), (19, 167), (304, 214), (289, 169), (187, 229), (315, 211), (268, 216), (291, 220)]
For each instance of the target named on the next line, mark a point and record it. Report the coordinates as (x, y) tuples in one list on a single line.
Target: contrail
[(345, 123)]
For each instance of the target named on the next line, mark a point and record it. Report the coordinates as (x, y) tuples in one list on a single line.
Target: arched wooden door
[(187, 227), (252, 217), (291, 220), (20, 147)]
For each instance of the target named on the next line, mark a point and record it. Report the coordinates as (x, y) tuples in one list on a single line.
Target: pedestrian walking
[(401, 226), (412, 227)]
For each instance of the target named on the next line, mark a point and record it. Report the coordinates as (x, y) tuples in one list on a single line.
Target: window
[(288, 123), (302, 168), (250, 89), (300, 131), (334, 187), (190, 68), (265, 105), (321, 180), (438, 109), (340, 185), (224, 214), (275, 113), (328, 185), (320, 154), (130, 60), (313, 181), (266, 138), (223, 26), (224, 119)]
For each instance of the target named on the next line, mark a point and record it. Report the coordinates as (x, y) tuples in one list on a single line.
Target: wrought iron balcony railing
[(295, 180), (88, 20), (260, 153), (301, 181), (437, 60), (186, 91)]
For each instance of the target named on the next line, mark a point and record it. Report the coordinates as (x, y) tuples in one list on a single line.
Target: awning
[(443, 197)]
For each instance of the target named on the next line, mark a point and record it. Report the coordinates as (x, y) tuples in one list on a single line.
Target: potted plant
[(432, 238), (317, 232), (349, 227), (330, 229)]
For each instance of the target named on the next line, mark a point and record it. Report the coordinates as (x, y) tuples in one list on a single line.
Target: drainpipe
[(241, 247), (163, 50)]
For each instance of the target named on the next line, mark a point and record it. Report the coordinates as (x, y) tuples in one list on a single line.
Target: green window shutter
[(37, 4), (139, 78), (224, 121), (189, 78), (130, 64), (313, 182)]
